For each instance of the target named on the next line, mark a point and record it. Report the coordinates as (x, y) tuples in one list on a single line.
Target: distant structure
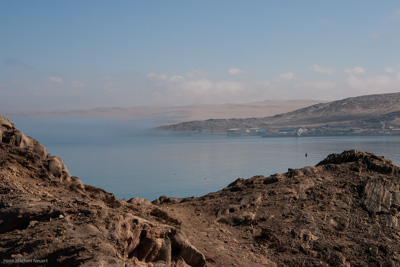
[(234, 132), (249, 131)]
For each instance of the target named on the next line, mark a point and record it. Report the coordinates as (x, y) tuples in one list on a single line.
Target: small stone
[(32, 223)]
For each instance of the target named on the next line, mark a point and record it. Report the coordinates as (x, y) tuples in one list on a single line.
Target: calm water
[(118, 156)]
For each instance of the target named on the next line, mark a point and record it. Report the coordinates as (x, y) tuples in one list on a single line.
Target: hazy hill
[(350, 111), (175, 114)]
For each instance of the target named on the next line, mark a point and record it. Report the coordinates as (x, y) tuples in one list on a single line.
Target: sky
[(94, 53)]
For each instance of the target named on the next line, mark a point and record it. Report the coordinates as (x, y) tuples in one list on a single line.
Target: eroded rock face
[(50, 216), (10, 135)]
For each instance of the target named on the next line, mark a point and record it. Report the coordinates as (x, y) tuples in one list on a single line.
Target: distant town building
[(250, 131), (234, 132)]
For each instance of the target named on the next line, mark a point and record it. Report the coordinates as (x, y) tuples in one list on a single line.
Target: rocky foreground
[(49, 218), (343, 212)]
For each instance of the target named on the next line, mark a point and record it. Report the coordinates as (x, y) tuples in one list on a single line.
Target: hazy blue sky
[(90, 53)]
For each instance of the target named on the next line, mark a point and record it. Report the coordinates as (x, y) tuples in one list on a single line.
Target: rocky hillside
[(352, 112), (49, 218), (343, 212)]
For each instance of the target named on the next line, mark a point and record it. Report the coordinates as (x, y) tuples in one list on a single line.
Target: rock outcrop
[(343, 212), (49, 218)]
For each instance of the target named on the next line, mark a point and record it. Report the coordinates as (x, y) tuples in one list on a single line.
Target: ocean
[(122, 157)]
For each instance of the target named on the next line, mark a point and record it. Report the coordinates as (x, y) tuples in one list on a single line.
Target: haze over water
[(122, 158)]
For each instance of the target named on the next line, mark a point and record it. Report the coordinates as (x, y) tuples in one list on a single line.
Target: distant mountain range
[(372, 114)]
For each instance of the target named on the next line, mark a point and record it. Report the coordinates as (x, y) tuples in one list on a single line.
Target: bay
[(121, 157)]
